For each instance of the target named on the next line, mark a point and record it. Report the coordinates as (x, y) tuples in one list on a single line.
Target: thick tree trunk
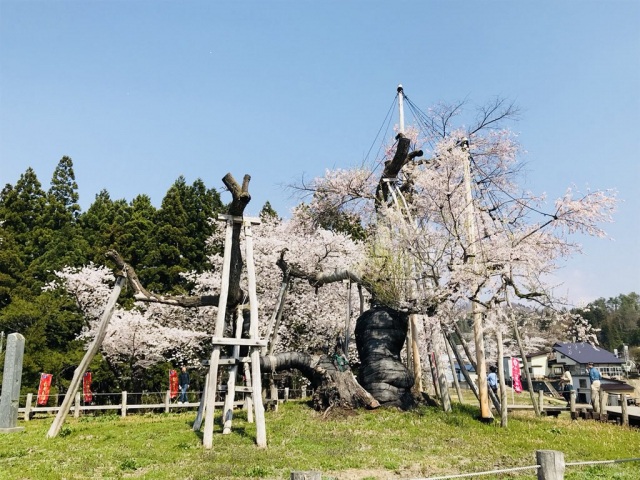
[(393, 167), (240, 199), (380, 335), (382, 377), (332, 381)]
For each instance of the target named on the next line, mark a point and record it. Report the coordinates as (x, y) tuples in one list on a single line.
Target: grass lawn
[(379, 444)]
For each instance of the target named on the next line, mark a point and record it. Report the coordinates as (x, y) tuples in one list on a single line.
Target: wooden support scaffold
[(253, 375)]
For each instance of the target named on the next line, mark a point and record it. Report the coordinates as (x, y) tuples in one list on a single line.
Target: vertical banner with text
[(173, 383), (515, 375), (86, 387), (44, 387)]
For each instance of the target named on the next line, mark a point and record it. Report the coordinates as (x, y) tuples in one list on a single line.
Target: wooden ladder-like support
[(253, 376)]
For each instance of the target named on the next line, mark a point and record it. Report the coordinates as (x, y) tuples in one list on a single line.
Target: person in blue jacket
[(183, 383), (595, 377), (492, 379)]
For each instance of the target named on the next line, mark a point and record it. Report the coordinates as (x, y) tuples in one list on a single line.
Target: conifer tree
[(22, 209), (11, 266), (63, 194), (268, 213), (173, 239)]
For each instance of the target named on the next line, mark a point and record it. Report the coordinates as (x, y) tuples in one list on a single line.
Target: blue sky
[(139, 93)]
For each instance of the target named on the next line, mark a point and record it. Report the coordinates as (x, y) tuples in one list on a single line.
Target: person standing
[(492, 379), (595, 377), (566, 381), (183, 382)]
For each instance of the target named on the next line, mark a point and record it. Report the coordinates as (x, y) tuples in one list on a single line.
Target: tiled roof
[(585, 353)]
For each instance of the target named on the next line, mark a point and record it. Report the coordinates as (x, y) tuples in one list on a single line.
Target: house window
[(583, 383), (562, 356)]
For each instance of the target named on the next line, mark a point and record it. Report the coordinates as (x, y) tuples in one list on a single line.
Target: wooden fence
[(124, 405)]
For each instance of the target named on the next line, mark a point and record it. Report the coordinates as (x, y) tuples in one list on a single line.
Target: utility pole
[(478, 334)]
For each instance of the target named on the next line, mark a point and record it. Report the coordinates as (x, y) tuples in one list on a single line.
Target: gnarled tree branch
[(142, 294), (318, 279)]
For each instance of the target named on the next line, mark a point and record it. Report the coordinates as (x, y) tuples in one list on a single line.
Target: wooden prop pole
[(261, 432), (525, 365), (86, 360), (207, 438), (503, 387), (274, 322), (463, 370), (452, 365), (494, 399), (227, 414)]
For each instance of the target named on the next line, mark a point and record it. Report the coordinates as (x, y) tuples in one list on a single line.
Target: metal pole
[(401, 108)]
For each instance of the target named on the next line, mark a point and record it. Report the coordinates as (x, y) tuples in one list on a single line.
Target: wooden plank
[(632, 412), (237, 403), (243, 342), (553, 391), (234, 361), (245, 220)]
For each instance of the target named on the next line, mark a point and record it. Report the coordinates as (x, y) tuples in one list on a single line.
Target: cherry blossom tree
[(177, 327), (140, 336), (445, 228), (471, 234)]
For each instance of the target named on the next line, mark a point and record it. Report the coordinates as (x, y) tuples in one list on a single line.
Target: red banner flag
[(173, 383), (86, 387), (44, 387), (515, 375)]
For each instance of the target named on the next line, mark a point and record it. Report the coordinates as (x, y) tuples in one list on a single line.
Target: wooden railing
[(124, 406)]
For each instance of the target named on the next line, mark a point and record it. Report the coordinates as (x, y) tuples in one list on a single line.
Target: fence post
[(551, 463), (286, 394), (167, 401), (273, 392), (124, 404), (306, 476), (623, 409), (248, 406), (76, 410), (572, 404), (27, 407), (603, 405), (541, 400)]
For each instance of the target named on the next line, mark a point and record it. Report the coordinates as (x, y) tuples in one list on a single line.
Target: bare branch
[(142, 294), (318, 279), (490, 115)]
